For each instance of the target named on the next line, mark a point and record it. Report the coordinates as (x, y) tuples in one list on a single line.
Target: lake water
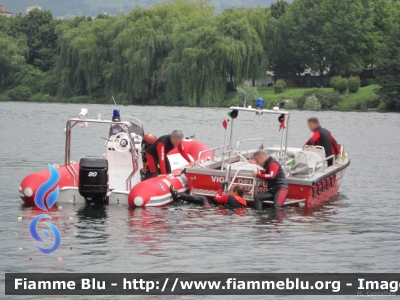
[(358, 231)]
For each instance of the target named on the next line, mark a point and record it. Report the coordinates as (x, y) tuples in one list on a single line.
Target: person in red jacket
[(156, 154), (322, 137), (232, 200)]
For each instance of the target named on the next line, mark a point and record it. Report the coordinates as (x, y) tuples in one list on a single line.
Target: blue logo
[(40, 203), (35, 234), (45, 188)]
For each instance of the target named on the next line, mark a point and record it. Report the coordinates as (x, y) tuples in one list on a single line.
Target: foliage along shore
[(181, 52), (365, 99)]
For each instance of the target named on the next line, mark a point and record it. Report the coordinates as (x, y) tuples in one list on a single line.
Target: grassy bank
[(365, 98)]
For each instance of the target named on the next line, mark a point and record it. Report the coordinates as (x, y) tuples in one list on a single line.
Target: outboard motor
[(93, 179)]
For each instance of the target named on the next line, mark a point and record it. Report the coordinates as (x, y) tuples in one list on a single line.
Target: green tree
[(207, 48), (329, 34), (39, 28), (278, 8), (383, 13), (388, 70), (286, 62), (12, 53)]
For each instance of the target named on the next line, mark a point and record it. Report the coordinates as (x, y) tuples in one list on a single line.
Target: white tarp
[(304, 163)]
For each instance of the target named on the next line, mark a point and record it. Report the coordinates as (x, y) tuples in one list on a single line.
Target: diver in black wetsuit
[(322, 137), (157, 159), (278, 188), (232, 200)]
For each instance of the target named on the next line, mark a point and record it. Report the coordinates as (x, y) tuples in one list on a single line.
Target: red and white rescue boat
[(114, 177), (310, 179)]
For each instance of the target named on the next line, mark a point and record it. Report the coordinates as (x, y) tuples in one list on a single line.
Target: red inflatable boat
[(115, 177)]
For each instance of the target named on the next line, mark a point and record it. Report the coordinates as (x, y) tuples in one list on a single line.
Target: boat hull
[(310, 192)]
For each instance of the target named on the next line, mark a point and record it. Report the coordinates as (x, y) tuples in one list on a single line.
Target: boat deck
[(315, 182), (242, 165)]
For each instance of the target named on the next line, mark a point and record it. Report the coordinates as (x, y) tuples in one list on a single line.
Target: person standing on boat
[(272, 172), (322, 137), (232, 200), (157, 160)]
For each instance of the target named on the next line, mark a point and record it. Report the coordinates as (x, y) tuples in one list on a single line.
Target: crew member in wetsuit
[(278, 188), (232, 200), (323, 137), (156, 154)]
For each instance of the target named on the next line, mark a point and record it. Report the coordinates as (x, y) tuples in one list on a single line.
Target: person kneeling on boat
[(278, 188), (232, 200), (157, 160)]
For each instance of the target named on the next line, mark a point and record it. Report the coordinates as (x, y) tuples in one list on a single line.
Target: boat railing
[(213, 150), (228, 173), (231, 182), (242, 143), (135, 119), (323, 164), (67, 159), (224, 158)]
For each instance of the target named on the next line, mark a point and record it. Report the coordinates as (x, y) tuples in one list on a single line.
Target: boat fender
[(319, 188), (314, 191), (333, 180), (327, 185)]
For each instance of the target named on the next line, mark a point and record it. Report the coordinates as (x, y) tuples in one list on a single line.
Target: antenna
[(114, 101)]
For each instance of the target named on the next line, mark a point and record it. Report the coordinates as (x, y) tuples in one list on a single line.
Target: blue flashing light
[(116, 115), (260, 103)]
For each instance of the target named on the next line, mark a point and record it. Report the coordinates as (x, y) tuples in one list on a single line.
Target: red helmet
[(150, 138)]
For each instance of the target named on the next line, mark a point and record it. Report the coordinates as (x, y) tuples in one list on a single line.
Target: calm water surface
[(358, 231)]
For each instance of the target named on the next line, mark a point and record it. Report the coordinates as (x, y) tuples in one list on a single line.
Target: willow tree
[(195, 67), (179, 51), (141, 48), (246, 30), (12, 50), (211, 49), (68, 68)]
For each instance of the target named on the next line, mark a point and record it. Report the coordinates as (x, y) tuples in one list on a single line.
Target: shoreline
[(365, 99), (214, 107)]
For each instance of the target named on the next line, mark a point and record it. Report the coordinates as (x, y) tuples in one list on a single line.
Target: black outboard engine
[(93, 179)]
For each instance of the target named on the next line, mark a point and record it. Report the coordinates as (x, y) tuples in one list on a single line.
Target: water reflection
[(91, 227), (147, 229)]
